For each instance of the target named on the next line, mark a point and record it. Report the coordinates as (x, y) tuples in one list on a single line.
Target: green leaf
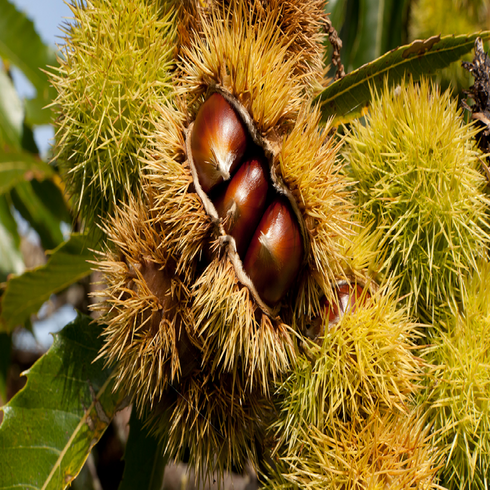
[(395, 30), (22, 46), (336, 11), (32, 208), (25, 294), (144, 463), (349, 32), (8, 220), (11, 258), (370, 31), (50, 427), (52, 198), (18, 166), (11, 112), (36, 111), (347, 98), (5, 347), (381, 28)]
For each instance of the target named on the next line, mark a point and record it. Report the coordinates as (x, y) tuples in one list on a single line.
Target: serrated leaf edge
[(404, 60)]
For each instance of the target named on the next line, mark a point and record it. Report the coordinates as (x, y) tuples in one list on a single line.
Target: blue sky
[(47, 16)]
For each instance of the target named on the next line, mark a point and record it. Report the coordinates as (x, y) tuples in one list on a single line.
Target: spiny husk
[(144, 309), (299, 22), (385, 451), (364, 364), (345, 413), (308, 164), (241, 349), (216, 419), (117, 64), (458, 390), (235, 334), (415, 171), (227, 326), (187, 230), (361, 258), (251, 61), (241, 53), (218, 416)]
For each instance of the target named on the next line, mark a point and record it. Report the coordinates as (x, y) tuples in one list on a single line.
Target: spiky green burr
[(346, 417), (457, 396), (416, 176), (116, 66)]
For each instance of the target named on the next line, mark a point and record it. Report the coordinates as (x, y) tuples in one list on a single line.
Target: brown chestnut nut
[(218, 141), (242, 203), (275, 253), (346, 300), (347, 295)]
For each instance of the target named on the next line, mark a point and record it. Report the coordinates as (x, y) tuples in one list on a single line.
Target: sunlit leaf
[(26, 293), (18, 166), (36, 110), (346, 99), (50, 427), (10, 257), (11, 112)]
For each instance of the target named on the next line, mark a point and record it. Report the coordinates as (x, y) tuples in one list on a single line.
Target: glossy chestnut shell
[(241, 204), (218, 141), (275, 254)]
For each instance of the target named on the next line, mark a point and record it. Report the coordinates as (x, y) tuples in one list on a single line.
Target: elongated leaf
[(349, 32), (18, 166), (395, 29), (51, 195), (10, 257), (5, 346), (22, 46), (11, 113), (50, 426), (380, 28), (144, 463), (34, 211), (370, 31), (25, 294), (36, 110), (346, 99), (8, 220), (336, 11)]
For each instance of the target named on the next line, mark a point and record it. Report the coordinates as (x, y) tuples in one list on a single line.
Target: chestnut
[(218, 141), (346, 300), (241, 204), (275, 253)]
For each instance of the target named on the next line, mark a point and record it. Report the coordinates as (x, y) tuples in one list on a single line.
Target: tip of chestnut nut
[(275, 253), (347, 300), (218, 141)]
